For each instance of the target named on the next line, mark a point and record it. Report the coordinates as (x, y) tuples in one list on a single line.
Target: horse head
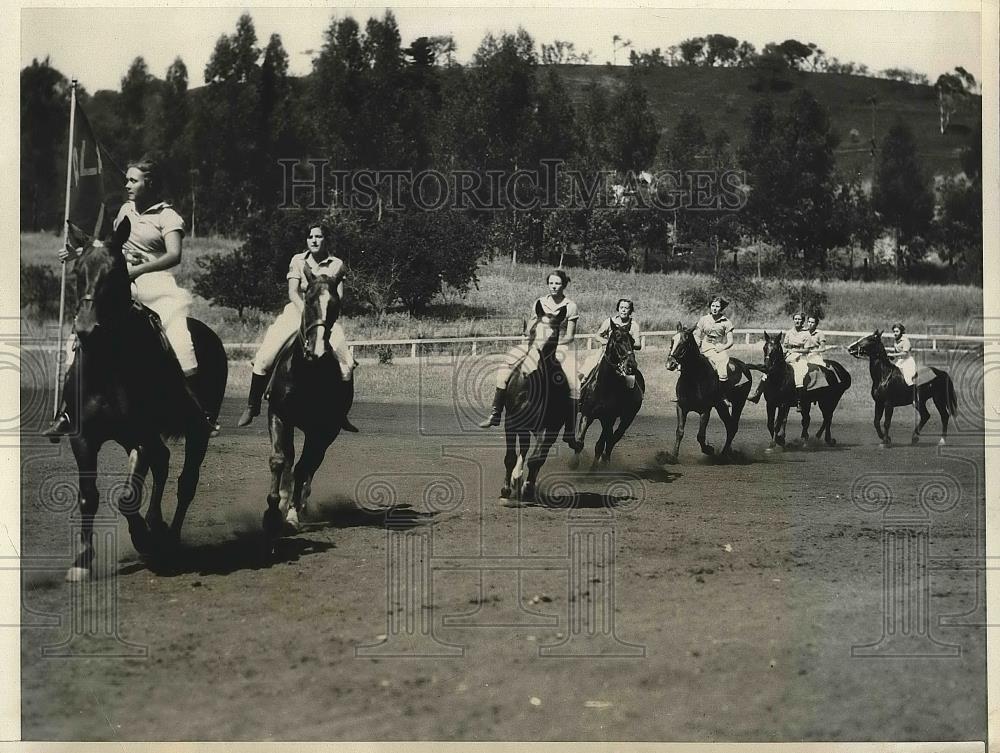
[(681, 346), (102, 281), (321, 309), (546, 329), (619, 352), (774, 353), (867, 346)]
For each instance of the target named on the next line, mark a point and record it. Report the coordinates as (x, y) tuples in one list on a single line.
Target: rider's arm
[(170, 258), (294, 295), (728, 343), (636, 338), (602, 333), (570, 332)]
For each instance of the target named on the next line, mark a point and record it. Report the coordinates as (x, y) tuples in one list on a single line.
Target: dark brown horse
[(536, 405), (699, 389), (308, 392), (890, 390), (125, 386), (780, 394), (613, 394)]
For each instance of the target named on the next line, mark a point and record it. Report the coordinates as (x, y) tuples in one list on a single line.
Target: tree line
[(373, 103)]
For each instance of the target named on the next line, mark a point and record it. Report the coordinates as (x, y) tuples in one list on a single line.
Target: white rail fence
[(748, 335), (936, 341)]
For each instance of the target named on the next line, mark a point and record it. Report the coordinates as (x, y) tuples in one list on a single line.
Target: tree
[(45, 94), (901, 194), (772, 69), (632, 132), (692, 50), (562, 53), (746, 55), (794, 52), (721, 50), (952, 90), (790, 161)]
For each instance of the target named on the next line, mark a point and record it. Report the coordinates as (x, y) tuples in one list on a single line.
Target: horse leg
[(520, 456), (682, 416), (158, 457), (879, 411), (277, 497), (536, 458), (780, 423), (195, 447), (623, 423), (941, 403), (771, 410), (923, 416), (86, 463), (130, 502), (888, 422), (706, 448), (806, 420), (727, 420), (827, 407), (313, 451), (509, 461)]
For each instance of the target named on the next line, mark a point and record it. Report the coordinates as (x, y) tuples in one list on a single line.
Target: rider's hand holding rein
[(170, 258), (66, 255)]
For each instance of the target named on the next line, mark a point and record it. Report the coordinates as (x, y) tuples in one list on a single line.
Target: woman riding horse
[(614, 389), (153, 247), (796, 347), (554, 311), (315, 260), (129, 389), (622, 319), (714, 335)]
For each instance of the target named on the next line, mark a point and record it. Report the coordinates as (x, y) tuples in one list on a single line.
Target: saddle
[(734, 375), (819, 377), (155, 324)]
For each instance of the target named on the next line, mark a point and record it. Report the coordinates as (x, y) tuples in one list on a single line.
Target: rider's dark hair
[(631, 306), (902, 327), (323, 228), (149, 165), (816, 317), (560, 274)]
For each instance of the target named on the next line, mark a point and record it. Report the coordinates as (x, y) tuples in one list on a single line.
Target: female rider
[(319, 261), (555, 314)]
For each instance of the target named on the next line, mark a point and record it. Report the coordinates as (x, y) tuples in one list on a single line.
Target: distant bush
[(40, 291), (742, 291), (803, 297)]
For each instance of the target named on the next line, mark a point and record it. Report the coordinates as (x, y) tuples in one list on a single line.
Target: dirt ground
[(771, 598)]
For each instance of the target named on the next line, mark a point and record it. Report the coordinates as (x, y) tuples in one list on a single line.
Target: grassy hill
[(722, 97)]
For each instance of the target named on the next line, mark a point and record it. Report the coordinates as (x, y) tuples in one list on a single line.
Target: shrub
[(803, 297), (40, 291), (385, 354), (740, 290)]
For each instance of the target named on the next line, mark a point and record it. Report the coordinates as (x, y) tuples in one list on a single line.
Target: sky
[(96, 45)]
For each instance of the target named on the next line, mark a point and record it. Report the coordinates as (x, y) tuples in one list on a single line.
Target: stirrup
[(60, 426)]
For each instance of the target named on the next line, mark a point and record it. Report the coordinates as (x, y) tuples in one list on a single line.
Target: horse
[(613, 394), (889, 390), (780, 394), (699, 389), (308, 392), (535, 405), (126, 386)]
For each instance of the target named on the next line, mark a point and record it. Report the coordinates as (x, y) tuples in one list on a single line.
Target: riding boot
[(189, 387), (60, 425), (755, 397), (569, 432), (494, 418), (258, 385), (345, 423)]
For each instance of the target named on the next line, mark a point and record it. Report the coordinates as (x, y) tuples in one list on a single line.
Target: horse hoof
[(505, 492), (941, 442), (292, 519), (708, 450), (914, 440), (528, 493), (77, 574), (831, 442)]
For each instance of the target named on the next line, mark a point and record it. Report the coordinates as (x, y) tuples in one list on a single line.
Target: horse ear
[(76, 237), (539, 311), (121, 234), (680, 327)]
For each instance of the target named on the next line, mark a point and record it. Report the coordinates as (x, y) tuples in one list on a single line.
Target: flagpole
[(62, 284)]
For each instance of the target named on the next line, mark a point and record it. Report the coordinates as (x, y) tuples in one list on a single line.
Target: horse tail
[(213, 366), (950, 395)]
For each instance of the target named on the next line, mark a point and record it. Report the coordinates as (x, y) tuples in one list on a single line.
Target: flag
[(96, 182)]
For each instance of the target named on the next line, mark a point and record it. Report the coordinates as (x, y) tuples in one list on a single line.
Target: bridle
[(621, 367)]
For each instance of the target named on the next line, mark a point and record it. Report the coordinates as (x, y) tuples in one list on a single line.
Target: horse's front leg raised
[(88, 500), (313, 451), (281, 436)]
